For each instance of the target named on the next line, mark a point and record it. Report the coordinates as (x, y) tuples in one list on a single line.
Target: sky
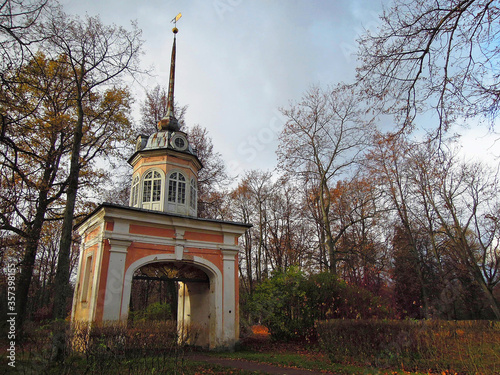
[(239, 61)]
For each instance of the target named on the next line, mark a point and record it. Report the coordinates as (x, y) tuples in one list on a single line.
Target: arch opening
[(199, 294), (155, 289)]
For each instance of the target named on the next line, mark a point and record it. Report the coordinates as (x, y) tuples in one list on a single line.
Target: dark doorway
[(154, 293)]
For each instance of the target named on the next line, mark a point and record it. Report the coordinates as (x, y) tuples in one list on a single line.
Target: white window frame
[(180, 184), (178, 181), (193, 194), (134, 192), (158, 187)]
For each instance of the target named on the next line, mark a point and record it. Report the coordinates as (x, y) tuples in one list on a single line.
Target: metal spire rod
[(169, 122)]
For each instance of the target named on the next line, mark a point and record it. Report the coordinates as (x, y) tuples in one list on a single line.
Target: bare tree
[(355, 213), (434, 54), (19, 36), (280, 237), (213, 177), (391, 171), (259, 187), (445, 220), (154, 109), (464, 201), (243, 210), (324, 137), (289, 238)]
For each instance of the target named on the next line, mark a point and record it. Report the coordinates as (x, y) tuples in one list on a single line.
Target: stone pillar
[(114, 283), (229, 314), (193, 317), (77, 292)]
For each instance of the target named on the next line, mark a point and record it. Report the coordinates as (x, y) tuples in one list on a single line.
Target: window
[(177, 188), (151, 191), (135, 192), (193, 194), (86, 279), (179, 142)]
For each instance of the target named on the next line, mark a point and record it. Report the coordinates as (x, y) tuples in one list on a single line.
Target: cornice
[(138, 155), (134, 215)]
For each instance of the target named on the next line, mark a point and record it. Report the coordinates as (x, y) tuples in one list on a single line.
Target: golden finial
[(175, 30)]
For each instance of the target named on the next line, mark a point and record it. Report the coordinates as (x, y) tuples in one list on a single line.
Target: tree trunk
[(62, 289), (478, 276), (28, 262), (329, 242), (61, 281), (27, 265)]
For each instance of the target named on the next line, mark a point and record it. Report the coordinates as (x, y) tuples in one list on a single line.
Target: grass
[(34, 364), (301, 355)]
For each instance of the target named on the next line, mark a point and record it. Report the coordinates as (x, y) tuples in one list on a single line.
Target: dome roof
[(166, 140)]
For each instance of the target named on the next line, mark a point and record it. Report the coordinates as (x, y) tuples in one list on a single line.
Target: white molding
[(168, 241), (163, 219), (229, 312), (97, 273), (118, 246), (94, 241), (76, 300)]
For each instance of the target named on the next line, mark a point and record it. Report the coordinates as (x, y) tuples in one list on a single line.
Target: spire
[(169, 122)]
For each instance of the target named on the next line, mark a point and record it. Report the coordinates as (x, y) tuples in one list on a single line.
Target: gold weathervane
[(174, 20)]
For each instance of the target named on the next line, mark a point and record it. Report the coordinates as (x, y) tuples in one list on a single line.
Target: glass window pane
[(172, 190), (135, 191), (156, 190), (182, 193), (146, 193), (193, 194)]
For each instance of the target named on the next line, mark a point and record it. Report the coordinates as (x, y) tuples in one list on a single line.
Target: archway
[(158, 287), (199, 293)]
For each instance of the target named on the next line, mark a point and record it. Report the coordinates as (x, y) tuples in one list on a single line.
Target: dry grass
[(436, 346)]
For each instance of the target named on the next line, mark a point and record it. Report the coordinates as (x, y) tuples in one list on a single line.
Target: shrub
[(155, 311), (278, 303), (289, 303)]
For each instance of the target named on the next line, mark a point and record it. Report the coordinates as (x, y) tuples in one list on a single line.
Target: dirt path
[(251, 366)]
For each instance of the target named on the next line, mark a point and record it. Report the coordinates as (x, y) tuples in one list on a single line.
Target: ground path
[(261, 342), (250, 365)]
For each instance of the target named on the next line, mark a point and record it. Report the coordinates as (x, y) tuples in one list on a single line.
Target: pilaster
[(114, 283)]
